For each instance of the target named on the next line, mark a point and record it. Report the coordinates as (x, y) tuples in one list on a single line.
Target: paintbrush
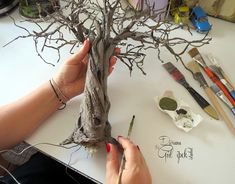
[(218, 73), (193, 66), (222, 97), (178, 76), (216, 63), (123, 160), (194, 53)]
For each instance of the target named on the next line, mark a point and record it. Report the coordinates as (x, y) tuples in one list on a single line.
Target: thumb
[(112, 164), (80, 55)]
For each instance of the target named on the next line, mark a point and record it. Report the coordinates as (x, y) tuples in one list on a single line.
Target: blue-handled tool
[(222, 97), (222, 79)]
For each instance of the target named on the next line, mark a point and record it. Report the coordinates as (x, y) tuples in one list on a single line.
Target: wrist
[(58, 93)]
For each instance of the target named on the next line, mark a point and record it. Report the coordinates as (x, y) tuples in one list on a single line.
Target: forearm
[(19, 119)]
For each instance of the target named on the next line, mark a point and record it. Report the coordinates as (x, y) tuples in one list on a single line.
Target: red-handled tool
[(194, 53), (214, 79)]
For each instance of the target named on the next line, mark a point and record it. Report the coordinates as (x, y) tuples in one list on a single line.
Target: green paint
[(168, 104)]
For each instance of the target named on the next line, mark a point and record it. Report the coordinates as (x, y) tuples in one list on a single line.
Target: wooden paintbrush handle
[(227, 79), (220, 110), (229, 88), (122, 165), (212, 76)]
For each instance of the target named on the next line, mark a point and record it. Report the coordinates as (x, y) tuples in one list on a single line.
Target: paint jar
[(36, 9)]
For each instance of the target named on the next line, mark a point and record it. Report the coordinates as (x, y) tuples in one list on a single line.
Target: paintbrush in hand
[(123, 160), (178, 76)]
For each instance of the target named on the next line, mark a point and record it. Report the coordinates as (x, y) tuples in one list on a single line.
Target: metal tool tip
[(215, 88)]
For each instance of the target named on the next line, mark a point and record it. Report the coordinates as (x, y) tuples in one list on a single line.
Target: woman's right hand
[(135, 170)]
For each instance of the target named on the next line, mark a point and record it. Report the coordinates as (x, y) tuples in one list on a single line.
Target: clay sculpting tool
[(216, 63), (194, 53), (193, 66), (123, 160), (178, 76), (222, 97), (218, 73)]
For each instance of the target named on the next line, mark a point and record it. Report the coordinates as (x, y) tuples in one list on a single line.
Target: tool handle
[(227, 78), (226, 84), (200, 100), (122, 165), (229, 88), (220, 110), (212, 76), (233, 111), (233, 94)]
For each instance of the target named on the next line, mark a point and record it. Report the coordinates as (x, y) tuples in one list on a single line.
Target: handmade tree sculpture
[(107, 24)]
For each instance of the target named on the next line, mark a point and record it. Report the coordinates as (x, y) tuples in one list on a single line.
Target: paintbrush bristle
[(193, 52), (215, 88), (176, 74), (193, 66)]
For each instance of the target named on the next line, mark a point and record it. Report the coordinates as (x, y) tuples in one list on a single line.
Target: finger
[(80, 55), (112, 61), (111, 70), (112, 164), (131, 151), (85, 60)]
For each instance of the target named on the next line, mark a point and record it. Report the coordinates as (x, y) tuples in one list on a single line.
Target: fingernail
[(108, 147), (138, 147), (114, 61)]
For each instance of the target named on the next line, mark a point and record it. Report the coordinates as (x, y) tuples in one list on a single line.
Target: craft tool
[(123, 160), (216, 63), (194, 53), (218, 73), (222, 97), (178, 76), (193, 66)]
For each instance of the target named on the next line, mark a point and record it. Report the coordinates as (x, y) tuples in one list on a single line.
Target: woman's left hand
[(71, 76)]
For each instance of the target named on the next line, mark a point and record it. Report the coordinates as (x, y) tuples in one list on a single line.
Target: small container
[(36, 9)]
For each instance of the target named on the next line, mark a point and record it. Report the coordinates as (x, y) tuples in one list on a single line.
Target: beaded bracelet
[(57, 91)]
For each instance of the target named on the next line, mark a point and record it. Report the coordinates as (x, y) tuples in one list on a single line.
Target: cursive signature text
[(166, 149)]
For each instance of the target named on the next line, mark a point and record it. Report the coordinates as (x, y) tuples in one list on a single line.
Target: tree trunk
[(93, 126)]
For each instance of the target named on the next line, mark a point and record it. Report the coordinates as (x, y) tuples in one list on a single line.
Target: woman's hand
[(71, 77), (135, 170)]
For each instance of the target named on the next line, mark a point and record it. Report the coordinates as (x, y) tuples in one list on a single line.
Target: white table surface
[(213, 159)]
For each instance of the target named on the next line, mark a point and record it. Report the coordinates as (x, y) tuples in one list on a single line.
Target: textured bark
[(93, 126), (107, 24)]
